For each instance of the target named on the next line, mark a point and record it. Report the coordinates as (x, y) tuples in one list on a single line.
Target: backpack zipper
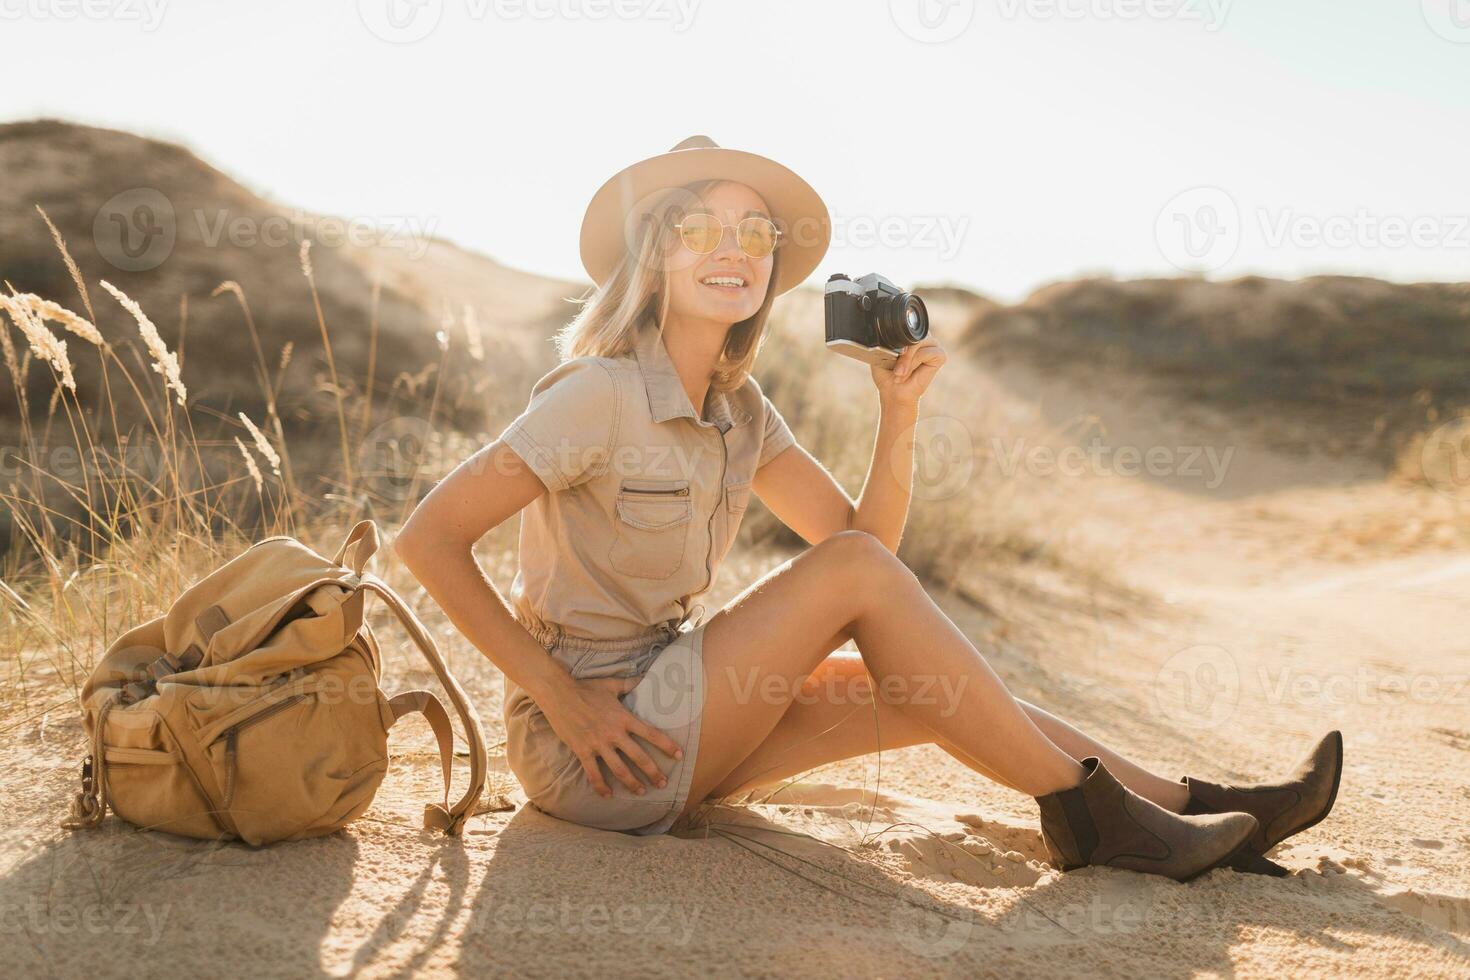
[(232, 737)]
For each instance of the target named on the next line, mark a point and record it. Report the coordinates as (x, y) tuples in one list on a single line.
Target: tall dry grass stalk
[(337, 393), (164, 361), (474, 343), (44, 309), (48, 348), (28, 312), (441, 336), (262, 445), (250, 466), (71, 264), (270, 389), (371, 373)]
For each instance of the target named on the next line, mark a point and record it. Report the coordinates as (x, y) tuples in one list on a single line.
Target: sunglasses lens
[(757, 237), (700, 233)]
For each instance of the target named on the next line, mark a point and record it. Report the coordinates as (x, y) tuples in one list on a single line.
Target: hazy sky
[(997, 144)]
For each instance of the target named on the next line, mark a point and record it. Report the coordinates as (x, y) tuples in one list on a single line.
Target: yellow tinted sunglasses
[(701, 233)]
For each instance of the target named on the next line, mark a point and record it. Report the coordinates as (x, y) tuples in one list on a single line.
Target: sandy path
[(911, 865), (1378, 888)]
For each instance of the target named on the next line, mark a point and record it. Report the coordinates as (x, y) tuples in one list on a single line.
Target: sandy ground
[(1257, 629)]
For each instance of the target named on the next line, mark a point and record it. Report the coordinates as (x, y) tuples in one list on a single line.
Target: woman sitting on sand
[(643, 709)]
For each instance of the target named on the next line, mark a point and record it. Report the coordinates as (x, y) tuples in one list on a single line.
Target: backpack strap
[(450, 819), (361, 543), (426, 704)]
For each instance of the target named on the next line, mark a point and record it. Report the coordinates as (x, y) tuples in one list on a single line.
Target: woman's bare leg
[(1167, 793), (760, 649), (835, 717)]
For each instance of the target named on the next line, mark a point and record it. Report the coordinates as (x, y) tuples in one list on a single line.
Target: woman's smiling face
[(726, 285)]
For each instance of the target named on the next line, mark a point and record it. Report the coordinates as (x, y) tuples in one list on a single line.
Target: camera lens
[(902, 321)]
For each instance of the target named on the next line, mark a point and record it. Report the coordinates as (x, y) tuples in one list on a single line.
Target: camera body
[(871, 319)]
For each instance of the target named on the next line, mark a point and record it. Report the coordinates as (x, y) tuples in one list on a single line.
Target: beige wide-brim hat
[(633, 191)]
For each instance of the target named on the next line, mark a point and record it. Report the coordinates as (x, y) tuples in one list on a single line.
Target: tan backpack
[(251, 709)]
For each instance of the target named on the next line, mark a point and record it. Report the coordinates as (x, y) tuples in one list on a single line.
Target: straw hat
[(612, 216)]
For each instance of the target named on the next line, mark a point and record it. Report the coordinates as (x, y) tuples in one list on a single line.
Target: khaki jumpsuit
[(644, 497)]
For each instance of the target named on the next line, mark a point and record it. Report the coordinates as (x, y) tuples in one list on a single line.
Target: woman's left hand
[(906, 381)]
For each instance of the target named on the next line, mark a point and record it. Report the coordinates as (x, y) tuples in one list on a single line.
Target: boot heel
[(1247, 861)]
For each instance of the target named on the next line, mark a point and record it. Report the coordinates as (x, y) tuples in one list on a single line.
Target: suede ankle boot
[(1103, 822), (1281, 808)]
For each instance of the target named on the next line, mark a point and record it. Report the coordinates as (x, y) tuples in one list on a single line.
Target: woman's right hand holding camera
[(589, 716)]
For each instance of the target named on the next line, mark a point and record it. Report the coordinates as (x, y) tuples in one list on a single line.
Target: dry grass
[(105, 531)]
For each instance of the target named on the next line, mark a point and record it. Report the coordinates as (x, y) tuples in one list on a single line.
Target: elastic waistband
[(551, 635)]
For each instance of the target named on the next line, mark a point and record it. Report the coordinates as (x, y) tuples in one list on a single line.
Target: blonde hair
[(638, 288)]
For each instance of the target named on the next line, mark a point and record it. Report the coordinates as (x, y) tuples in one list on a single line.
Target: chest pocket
[(654, 517)]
